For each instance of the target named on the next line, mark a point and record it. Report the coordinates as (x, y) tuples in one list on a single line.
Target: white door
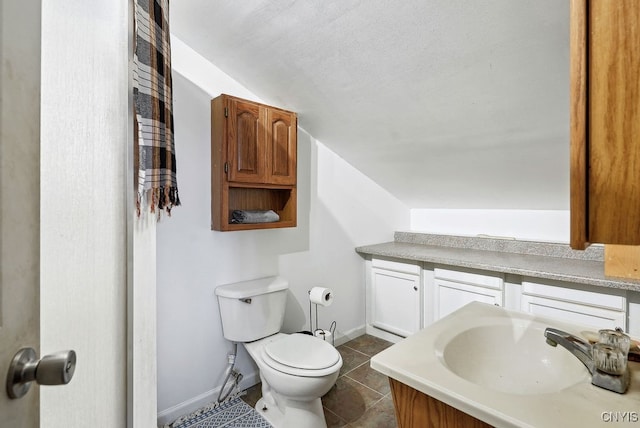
[(63, 211), (19, 197), (84, 130)]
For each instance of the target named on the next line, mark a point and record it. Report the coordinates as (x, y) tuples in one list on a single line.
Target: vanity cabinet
[(395, 297), (579, 305), (605, 122), (454, 288), (415, 409), (404, 297), (253, 162)]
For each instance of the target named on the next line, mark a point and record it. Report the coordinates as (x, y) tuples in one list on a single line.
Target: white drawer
[(411, 268), (614, 299), (451, 296), (468, 276), (587, 315)]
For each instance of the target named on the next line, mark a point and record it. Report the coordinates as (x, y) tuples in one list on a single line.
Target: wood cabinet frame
[(253, 162), (578, 128), (415, 409), (605, 122)]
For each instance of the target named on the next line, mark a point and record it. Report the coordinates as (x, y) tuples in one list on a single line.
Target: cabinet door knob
[(415, 287)]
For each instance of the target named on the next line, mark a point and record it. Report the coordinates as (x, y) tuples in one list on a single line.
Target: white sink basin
[(495, 365), (510, 355)]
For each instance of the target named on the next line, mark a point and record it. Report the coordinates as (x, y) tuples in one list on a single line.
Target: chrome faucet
[(583, 351), (577, 346)]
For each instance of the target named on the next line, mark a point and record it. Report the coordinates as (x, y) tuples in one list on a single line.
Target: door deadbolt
[(54, 369)]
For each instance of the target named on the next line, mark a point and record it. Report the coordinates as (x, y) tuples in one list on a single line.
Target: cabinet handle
[(415, 287)]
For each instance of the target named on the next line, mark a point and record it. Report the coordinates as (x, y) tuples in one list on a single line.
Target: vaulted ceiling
[(444, 103)]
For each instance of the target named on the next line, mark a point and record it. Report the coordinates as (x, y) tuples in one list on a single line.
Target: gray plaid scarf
[(152, 91)]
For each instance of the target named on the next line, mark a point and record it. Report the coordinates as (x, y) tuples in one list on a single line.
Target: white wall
[(338, 209), (84, 135), (532, 225)]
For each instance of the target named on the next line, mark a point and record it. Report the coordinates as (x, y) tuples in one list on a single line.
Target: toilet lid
[(303, 351)]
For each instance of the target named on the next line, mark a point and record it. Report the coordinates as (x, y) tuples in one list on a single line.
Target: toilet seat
[(301, 355)]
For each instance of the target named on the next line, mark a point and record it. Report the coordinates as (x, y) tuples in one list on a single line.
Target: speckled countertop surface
[(533, 259)]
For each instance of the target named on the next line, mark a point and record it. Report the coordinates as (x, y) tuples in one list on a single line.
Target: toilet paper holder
[(318, 332), (326, 335)]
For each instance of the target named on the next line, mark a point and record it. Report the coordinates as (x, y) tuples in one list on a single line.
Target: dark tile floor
[(361, 397)]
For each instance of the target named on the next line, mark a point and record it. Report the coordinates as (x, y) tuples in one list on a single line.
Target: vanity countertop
[(533, 259), (418, 362)]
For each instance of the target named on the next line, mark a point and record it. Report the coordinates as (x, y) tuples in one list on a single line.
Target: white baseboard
[(345, 336), (189, 406), (393, 338)]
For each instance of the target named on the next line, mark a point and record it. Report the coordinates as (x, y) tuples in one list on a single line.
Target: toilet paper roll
[(324, 335), (321, 296)]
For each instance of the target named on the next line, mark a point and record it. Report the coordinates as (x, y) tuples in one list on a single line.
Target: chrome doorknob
[(54, 369)]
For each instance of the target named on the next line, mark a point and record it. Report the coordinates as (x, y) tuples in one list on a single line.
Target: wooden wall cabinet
[(253, 162), (605, 122)]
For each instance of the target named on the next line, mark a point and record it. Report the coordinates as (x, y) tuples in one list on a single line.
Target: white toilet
[(295, 369)]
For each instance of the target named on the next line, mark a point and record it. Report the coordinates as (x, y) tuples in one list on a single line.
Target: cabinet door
[(395, 301), (574, 313), (281, 147), (578, 304), (605, 122), (451, 296), (246, 141)]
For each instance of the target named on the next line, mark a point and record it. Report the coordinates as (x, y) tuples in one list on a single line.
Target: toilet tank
[(251, 310)]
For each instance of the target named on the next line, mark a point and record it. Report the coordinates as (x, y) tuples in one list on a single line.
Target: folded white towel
[(254, 216)]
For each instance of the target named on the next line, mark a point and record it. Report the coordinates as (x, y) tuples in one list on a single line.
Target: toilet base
[(308, 414)]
